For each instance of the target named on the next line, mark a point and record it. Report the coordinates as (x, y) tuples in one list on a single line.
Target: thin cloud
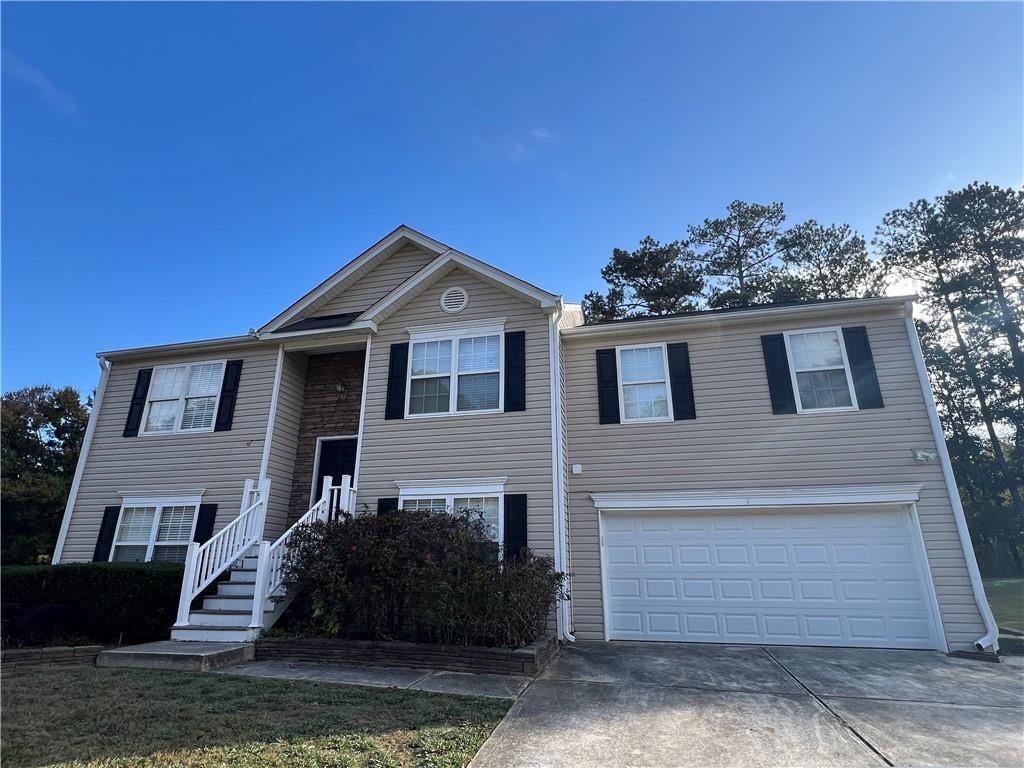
[(513, 149), (44, 87)]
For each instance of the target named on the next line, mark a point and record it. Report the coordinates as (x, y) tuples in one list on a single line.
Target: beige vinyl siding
[(516, 445), (376, 283), (217, 462), (284, 442), (736, 442)]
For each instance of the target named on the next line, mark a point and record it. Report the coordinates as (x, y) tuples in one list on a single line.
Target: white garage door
[(847, 578)]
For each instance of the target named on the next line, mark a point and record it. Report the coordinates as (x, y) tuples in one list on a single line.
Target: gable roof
[(443, 264), (291, 319), (391, 243)]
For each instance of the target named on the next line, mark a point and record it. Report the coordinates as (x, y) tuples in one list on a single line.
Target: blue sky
[(182, 171)]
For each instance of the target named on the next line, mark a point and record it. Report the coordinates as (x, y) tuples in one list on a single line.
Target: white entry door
[(854, 577)]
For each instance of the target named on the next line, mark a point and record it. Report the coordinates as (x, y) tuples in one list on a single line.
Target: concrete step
[(243, 575), (232, 603), (236, 634), (185, 656), (238, 619), (236, 589)]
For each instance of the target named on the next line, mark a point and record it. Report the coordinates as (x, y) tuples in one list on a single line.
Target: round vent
[(454, 300)]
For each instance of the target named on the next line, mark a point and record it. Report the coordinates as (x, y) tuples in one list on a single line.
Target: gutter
[(83, 454), (623, 328), (991, 636), (563, 613)]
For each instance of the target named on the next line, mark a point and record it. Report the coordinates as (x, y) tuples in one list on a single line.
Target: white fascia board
[(401, 233), (207, 345), (720, 318), (357, 326), (825, 495), (458, 486), (488, 273)]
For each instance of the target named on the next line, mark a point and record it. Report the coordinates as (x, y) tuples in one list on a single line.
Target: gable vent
[(454, 300)]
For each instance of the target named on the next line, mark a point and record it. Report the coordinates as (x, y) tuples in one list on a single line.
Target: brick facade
[(325, 413)]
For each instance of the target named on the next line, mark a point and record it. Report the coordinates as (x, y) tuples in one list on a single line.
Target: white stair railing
[(205, 562), (334, 499)]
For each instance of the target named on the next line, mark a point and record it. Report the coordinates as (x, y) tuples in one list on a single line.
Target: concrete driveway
[(658, 704)]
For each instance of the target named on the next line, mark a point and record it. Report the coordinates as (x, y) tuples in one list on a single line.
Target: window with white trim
[(489, 507), (460, 372), (183, 398), (154, 529), (643, 383), (820, 370)]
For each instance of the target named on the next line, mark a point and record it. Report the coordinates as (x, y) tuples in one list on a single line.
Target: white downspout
[(563, 616), (83, 454), (991, 637)]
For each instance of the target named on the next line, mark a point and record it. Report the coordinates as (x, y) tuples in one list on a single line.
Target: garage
[(833, 575)]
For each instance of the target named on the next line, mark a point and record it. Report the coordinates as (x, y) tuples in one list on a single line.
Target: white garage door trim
[(863, 498)]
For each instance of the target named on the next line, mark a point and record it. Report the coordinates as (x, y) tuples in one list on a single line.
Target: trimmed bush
[(417, 576), (103, 603)]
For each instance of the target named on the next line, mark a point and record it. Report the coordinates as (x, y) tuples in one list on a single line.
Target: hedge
[(418, 576), (106, 603)]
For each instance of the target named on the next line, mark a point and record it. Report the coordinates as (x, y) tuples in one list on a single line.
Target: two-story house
[(773, 474)]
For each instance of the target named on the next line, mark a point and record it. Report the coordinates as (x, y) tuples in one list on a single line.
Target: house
[(770, 474)]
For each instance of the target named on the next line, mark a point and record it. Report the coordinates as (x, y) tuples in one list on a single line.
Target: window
[(155, 529), (821, 372), (183, 398), (643, 383), (489, 508), (455, 372)]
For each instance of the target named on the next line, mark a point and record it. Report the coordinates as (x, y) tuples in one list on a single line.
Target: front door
[(337, 458)]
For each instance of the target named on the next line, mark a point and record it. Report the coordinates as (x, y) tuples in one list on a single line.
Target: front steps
[(185, 657), (226, 615)]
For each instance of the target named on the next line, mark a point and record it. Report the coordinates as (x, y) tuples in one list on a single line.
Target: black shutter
[(682, 382), (776, 365), (398, 366), (607, 387), (386, 506), (515, 371), (228, 395), (515, 525), (138, 404), (204, 523), (862, 366), (106, 538)]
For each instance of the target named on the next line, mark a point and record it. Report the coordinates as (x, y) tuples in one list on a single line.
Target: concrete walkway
[(436, 681), (652, 704)]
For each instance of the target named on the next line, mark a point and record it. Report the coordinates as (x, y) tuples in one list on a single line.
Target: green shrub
[(98, 602), (419, 576)]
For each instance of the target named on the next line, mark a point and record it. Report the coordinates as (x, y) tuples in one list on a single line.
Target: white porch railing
[(205, 562), (334, 499)]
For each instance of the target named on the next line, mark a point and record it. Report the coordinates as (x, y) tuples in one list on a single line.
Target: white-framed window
[(183, 398), (489, 507), (643, 383), (456, 371), (485, 495), (157, 529), (820, 370)]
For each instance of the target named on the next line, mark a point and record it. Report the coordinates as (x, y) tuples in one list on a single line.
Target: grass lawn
[(112, 718), (1006, 596)]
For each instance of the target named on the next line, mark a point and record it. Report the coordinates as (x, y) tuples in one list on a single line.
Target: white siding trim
[(362, 416), (991, 637), (563, 613), (272, 416), (825, 495), (468, 486), (83, 455), (933, 597)]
